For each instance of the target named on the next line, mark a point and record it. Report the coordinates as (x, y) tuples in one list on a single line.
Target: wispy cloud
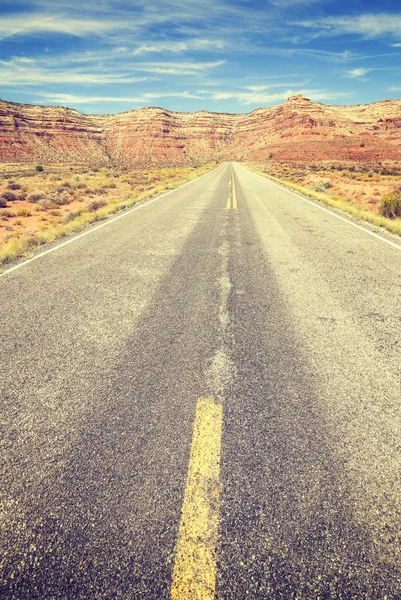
[(257, 97), (60, 24), (24, 71), (142, 99), (327, 55), (288, 3), (366, 25), (178, 47), (177, 68), (260, 98), (358, 73)]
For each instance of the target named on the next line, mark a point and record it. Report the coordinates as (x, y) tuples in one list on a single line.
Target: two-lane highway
[(202, 399)]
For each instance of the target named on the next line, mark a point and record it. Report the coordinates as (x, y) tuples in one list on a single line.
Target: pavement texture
[(288, 317)]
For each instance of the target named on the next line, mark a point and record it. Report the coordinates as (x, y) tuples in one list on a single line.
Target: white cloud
[(38, 24), (178, 47), (142, 99), (256, 98), (261, 98), (20, 71), (289, 3), (395, 88), (358, 73), (344, 56), (367, 25), (177, 68)]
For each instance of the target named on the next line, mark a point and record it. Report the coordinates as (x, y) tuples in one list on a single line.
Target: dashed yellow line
[(194, 575), (234, 192), (228, 203)]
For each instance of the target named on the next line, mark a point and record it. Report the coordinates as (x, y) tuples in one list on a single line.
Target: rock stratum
[(297, 130)]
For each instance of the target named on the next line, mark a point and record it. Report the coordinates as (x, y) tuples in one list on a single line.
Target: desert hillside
[(298, 129)]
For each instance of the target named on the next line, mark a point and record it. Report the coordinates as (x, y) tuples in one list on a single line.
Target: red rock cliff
[(296, 130)]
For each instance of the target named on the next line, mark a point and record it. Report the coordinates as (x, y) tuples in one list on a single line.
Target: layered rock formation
[(296, 130)]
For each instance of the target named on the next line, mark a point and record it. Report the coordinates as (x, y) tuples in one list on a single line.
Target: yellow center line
[(228, 203), (234, 192), (194, 575)]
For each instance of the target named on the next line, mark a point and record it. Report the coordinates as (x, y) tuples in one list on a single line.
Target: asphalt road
[(288, 317)]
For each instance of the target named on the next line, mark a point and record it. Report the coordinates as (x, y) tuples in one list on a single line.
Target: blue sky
[(107, 56)]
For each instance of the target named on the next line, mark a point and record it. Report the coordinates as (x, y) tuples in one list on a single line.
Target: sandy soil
[(360, 184), (36, 200)]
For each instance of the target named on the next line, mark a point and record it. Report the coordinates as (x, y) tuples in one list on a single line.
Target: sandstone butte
[(297, 130)]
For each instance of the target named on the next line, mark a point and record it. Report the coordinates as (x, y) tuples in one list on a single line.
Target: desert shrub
[(6, 214), (322, 186), (270, 154), (23, 212), (13, 186), (71, 216), (61, 189), (8, 196), (362, 144), (74, 184), (100, 191), (47, 203), (54, 177), (3, 203), (111, 185), (391, 205), (39, 168), (22, 195), (62, 200), (34, 197), (95, 205)]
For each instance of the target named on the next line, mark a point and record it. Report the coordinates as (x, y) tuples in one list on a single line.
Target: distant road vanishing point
[(201, 399)]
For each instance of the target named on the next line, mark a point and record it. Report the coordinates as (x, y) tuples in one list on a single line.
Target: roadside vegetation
[(42, 203), (370, 193)]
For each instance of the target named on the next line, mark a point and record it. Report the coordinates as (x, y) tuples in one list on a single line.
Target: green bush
[(391, 205), (39, 168)]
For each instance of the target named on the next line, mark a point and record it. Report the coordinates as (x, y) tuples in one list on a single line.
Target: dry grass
[(61, 200), (335, 186)]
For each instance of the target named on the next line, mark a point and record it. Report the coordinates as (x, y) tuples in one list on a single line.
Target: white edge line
[(330, 212), (108, 221)]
